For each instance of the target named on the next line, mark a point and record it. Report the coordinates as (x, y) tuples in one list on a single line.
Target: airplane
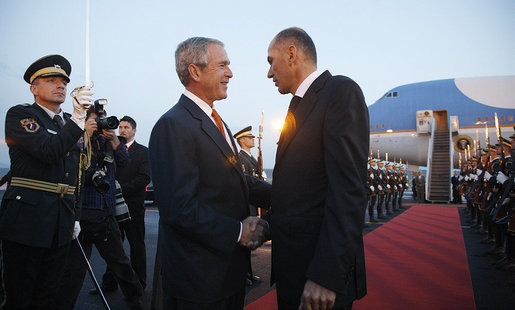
[(463, 112)]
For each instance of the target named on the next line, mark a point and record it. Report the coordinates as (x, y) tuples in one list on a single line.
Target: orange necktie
[(218, 121)]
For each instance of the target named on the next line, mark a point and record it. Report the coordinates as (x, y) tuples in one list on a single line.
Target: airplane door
[(441, 120), (424, 118)]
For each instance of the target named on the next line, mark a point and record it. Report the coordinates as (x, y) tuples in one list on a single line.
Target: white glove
[(461, 178), (82, 100), (487, 176), (76, 230), (474, 177), (479, 171), (380, 187), (501, 177), (467, 178), (395, 187), (372, 188), (372, 176), (388, 186), (400, 186)]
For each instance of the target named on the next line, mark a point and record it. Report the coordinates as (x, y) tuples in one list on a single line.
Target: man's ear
[(194, 71), (292, 54)]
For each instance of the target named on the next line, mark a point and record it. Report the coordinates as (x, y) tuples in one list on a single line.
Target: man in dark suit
[(38, 216), (133, 179), (319, 189), (201, 191)]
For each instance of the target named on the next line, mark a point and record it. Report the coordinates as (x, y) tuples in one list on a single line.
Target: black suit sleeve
[(346, 141)]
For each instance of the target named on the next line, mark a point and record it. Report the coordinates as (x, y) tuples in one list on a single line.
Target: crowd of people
[(486, 183), (72, 175)]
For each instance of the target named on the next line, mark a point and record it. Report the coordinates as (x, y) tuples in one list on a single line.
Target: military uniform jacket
[(249, 163), (39, 150)]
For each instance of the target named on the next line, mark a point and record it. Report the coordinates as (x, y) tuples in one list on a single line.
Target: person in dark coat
[(319, 181), (38, 215), (203, 196)]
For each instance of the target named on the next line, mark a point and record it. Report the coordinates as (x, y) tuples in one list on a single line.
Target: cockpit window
[(391, 94)]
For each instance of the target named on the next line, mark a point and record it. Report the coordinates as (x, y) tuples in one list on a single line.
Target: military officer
[(245, 139), (38, 215)]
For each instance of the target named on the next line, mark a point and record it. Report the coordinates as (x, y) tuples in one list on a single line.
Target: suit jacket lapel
[(212, 131), (302, 112)]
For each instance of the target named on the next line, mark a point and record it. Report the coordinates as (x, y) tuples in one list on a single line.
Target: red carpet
[(415, 261), (418, 261)]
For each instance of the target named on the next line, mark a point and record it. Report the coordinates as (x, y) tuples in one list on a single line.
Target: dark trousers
[(134, 231), (234, 302), (105, 235), (31, 275)]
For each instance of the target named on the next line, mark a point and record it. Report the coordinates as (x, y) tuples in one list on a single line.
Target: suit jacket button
[(18, 197), (67, 154), (67, 174)]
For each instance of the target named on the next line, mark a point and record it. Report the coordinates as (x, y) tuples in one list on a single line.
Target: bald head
[(300, 39)]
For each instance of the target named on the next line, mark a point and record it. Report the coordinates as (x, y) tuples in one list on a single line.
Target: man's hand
[(316, 297), (260, 236), (76, 230), (111, 136), (248, 227), (90, 126), (82, 100)]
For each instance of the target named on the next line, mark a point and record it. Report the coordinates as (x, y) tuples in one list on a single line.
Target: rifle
[(260, 155)]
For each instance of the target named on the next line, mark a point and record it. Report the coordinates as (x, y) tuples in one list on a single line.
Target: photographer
[(97, 220)]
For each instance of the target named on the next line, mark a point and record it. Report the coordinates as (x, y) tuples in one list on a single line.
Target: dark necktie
[(218, 121), (294, 103), (59, 121)]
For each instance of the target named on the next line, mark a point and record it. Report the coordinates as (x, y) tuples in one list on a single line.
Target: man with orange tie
[(201, 191)]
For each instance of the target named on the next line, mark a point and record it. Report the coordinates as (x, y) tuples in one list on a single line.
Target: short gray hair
[(192, 51)]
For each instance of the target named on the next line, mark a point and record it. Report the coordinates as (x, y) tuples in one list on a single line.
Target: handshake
[(254, 232)]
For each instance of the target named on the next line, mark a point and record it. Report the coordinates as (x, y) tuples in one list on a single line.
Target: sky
[(379, 44)]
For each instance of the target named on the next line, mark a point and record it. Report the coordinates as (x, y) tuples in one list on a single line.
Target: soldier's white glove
[(474, 177), (501, 177), (76, 230), (372, 188), (388, 186), (372, 176), (395, 187), (380, 187), (487, 176), (479, 171), (82, 100), (461, 178), (400, 186)]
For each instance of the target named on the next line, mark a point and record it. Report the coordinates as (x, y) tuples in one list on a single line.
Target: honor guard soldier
[(245, 139), (381, 187), (38, 215), (373, 191)]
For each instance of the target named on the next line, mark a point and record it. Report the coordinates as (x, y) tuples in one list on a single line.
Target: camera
[(103, 122), (96, 175)]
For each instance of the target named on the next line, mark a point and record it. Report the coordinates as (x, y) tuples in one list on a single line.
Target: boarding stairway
[(438, 181)]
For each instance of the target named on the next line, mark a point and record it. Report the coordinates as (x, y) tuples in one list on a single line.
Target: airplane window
[(487, 119), (382, 125), (502, 118), (389, 95), (395, 94), (479, 119), (510, 118), (377, 126)]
